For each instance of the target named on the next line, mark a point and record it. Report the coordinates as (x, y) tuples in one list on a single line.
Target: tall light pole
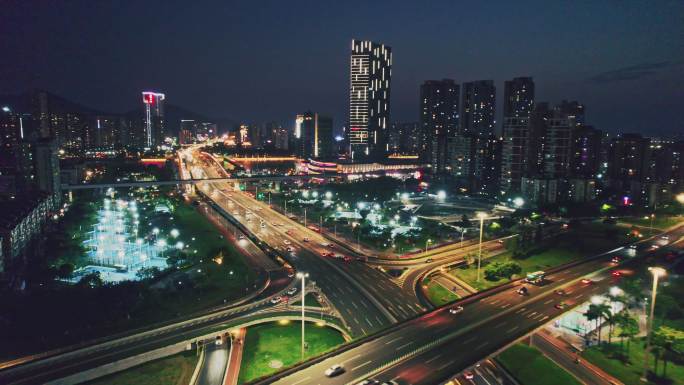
[(426, 245), (479, 251), (303, 277), (657, 273), (304, 216)]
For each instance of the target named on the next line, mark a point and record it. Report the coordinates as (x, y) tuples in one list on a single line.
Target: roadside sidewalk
[(563, 354)]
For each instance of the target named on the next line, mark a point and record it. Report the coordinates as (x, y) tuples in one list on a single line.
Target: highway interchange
[(416, 349)]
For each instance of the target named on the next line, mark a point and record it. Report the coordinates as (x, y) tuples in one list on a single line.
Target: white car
[(456, 310), (287, 242), (334, 370), (291, 291), (276, 300)]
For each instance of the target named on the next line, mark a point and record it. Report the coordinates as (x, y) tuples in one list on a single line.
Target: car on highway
[(468, 375), (241, 236), (456, 310), (369, 381), (292, 291), (390, 382), (290, 274), (263, 225), (287, 242), (429, 260), (327, 254), (522, 290), (560, 305), (586, 281), (616, 274), (560, 292), (306, 239), (330, 245), (289, 249), (633, 247), (276, 300), (615, 259), (334, 370), (348, 258)]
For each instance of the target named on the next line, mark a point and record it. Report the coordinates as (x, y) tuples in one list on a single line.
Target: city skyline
[(602, 77)]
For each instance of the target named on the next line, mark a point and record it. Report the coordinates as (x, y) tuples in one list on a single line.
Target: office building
[(405, 138), (154, 124), (369, 100), (313, 136), (439, 114)]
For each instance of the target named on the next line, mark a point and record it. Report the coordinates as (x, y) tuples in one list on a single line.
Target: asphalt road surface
[(447, 343), (215, 363)]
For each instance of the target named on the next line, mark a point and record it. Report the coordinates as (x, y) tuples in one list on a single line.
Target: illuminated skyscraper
[(154, 118), (477, 112), (313, 135), (518, 97), (369, 99), (439, 120)]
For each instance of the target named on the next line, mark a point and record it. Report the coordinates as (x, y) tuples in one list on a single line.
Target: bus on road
[(536, 278)]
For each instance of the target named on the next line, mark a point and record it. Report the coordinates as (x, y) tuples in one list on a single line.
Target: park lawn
[(310, 301), (660, 221), (629, 371), (172, 370), (273, 341), (530, 367), (540, 261), (437, 294)]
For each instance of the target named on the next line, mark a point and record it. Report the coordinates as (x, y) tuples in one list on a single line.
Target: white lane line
[(354, 304), (369, 323), (505, 306), (520, 311), (404, 345), (446, 365), (561, 280), (511, 330), (364, 364), (482, 345), (548, 302), (495, 302), (500, 325), (544, 319), (393, 340), (352, 358), (433, 358), (531, 314), (469, 340), (579, 296), (300, 381)]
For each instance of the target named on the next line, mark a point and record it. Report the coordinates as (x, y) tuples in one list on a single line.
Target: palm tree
[(595, 313), (629, 327)]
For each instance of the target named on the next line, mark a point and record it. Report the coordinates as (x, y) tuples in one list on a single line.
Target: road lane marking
[(579, 296), (531, 314), (469, 340), (393, 340), (511, 330), (433, 358), (369, 323), (544, 319), (482, 345), (505, 305), (300, 381), (494, 302), (354, 304), (548, 302), (500, 325), (522, 309), (404, 345), (352, 358), (364, 364), (445, 365)]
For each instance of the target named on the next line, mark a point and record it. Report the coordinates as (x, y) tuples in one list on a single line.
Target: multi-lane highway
[(366, 298), (429, 349)]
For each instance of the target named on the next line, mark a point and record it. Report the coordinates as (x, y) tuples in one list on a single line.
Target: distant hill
[(24, 103)]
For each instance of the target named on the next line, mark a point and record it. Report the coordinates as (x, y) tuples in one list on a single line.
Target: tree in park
[(629, 327), (667, 342), (596, 312)]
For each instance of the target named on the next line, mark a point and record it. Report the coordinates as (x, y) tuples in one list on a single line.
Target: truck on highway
[(536, 278)]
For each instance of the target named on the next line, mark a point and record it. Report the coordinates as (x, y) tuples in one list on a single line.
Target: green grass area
[(172, 370), (589, 239), (437, 294), (530, 367), (310, 300), (627, 364), (659, 222), (275, 342)]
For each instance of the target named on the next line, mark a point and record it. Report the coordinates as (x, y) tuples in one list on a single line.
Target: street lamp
[(657, 273), (426, 245), (479, 251), (680, 198), (303, 277)]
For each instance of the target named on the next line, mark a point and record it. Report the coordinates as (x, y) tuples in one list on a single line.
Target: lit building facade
[(439, 106), (369, 99), (313, 136), (154, 118), (478, 107)]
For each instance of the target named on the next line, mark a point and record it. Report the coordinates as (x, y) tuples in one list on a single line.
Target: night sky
[(258, 61)]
